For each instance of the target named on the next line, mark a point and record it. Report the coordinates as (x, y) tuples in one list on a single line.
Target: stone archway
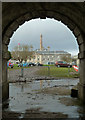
[(71, 14)]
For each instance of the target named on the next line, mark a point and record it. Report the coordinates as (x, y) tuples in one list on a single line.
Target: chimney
[(41, 47), (48, 48)]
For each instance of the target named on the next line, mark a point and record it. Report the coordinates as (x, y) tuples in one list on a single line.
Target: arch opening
[(41, 82)]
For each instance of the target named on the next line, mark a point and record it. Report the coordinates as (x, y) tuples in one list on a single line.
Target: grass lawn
[(15, 66), (58, 72)]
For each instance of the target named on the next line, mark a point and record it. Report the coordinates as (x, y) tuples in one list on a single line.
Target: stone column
[(40, 59), (5, 84), (81, 56), (81, 85), (41, 46)]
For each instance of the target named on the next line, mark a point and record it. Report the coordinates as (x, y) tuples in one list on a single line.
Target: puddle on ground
[(25, 96)]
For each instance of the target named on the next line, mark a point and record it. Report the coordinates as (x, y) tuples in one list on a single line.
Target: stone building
[(45, 56)]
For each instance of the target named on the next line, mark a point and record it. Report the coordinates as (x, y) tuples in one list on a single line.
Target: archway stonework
[(71, 14)]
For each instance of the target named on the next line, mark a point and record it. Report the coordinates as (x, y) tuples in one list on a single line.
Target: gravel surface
[(28, 73), (14, 75)]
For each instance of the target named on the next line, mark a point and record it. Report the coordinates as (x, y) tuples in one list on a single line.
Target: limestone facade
[(44, 56)]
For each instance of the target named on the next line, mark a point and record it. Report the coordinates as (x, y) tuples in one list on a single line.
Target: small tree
[(21, 52), (66, 58)]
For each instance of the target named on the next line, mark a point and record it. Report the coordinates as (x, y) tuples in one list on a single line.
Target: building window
[(58, 57), (33, 57)]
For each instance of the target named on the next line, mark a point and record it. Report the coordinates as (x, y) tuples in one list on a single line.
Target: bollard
[(68, 70), (22, 71), (48, 70), (78, 68)]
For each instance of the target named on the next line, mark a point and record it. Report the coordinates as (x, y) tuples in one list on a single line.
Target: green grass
[(15, 66), (58, 72), (48, 65), (53, 71)]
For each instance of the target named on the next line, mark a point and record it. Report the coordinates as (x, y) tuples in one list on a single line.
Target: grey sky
[(55, 34)]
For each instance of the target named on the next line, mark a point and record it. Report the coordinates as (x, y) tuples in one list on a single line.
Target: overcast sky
[(55, 34)]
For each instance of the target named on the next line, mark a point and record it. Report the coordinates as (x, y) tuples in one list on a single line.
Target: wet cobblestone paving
[(43, 99)]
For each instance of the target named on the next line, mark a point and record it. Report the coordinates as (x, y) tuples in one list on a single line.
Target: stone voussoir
[(80, 39), (82, 47), (76, 31)]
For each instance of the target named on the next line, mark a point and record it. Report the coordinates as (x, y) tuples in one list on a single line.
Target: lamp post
[(18, 49)]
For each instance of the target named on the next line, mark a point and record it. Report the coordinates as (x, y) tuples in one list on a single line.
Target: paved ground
[(15, 74), (40, 99), (47, 91)]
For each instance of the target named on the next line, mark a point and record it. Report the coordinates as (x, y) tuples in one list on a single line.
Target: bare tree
[(66, 58), (31, 47), (22, 52)]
